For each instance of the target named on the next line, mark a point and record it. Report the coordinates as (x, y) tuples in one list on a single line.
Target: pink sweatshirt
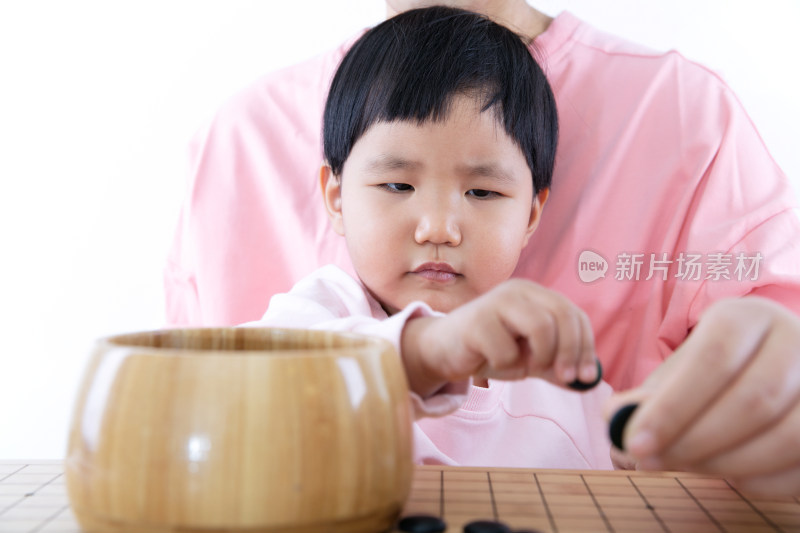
[(658, 166), (528, 423)]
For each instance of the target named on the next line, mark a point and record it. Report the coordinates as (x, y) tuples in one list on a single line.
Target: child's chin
[(444, 305), (441, 302)]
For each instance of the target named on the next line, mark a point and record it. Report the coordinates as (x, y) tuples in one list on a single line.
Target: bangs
[(412, 67)]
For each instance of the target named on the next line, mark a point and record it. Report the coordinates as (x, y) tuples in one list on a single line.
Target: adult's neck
[(516, 15)]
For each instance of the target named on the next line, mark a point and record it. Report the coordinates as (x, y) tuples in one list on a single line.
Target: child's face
[(437, 212)]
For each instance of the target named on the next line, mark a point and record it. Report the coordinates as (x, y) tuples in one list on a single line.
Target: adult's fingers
[(751, 407), (775, 450), (786, 482), (722, 344)]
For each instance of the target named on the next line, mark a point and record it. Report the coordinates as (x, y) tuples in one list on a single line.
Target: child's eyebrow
[(385, 162), (488, 170)]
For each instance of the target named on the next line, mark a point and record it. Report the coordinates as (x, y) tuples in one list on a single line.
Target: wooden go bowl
[(240, 429)]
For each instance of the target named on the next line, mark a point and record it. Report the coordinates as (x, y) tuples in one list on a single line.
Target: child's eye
[(397, 187), (482, 193)]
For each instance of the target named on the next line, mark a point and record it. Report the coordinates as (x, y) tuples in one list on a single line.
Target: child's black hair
[(412, 65)]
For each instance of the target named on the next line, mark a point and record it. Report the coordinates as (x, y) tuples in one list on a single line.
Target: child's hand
[(516, 330), (727, 402)]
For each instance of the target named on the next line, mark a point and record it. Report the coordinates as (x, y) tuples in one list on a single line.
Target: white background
[(98, 100)]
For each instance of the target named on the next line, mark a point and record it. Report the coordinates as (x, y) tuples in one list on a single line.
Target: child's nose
[(438, 225)]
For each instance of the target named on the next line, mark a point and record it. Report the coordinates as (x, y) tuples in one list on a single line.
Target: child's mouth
[(438, 272)]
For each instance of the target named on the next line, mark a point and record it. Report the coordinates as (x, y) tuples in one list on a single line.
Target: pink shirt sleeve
[(330, 299)]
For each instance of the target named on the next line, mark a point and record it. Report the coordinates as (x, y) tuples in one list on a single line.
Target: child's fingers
[(570, 341), (552, 328), (491, 341), (557, 333), (530, 321), (587, 363), (522, 329)]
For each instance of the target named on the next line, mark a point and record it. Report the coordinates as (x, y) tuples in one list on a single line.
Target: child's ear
[(332, 194), (537, 206)]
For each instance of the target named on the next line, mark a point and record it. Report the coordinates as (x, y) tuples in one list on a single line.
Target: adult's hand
[(727, 402)]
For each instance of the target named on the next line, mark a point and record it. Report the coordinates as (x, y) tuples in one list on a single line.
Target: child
[(439, 136)]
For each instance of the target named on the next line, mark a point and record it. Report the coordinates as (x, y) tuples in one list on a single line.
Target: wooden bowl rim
[(353, 342)]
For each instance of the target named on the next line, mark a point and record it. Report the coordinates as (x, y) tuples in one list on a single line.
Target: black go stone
[(581, 386), (486, 526), (421, 524), (617, 425)]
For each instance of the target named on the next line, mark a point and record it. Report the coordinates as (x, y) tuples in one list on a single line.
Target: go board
[(594, 501), (33, 499)]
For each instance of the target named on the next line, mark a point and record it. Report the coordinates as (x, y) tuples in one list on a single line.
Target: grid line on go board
[(33, 498), (563, 501)]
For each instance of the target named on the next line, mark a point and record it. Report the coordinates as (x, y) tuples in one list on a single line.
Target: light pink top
[(656, 156), (528, 423)]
